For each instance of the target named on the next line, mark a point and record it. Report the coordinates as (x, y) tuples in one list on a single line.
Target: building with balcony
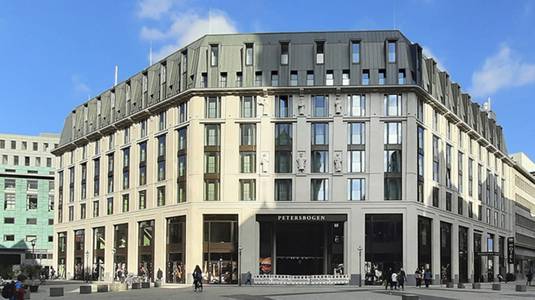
[(284, 153), (27, 192)]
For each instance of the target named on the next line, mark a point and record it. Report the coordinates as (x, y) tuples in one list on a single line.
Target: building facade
[(27, 192), (284, 153), (524, 210)]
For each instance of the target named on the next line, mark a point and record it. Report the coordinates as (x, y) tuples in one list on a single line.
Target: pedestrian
[(19, 288), (402, 277), (387, 278), (529, 277), (394, 282), (159, 274), (427, 277), (418, 277), (248, 277), (197, 278)]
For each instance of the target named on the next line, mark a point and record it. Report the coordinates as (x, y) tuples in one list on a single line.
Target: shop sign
[(510, 250), (488, 253), (302, 218)]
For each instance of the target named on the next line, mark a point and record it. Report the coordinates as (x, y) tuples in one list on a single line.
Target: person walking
[(418, 277), (19, 288), (197, 278), (394, 282), (402, 277), (427, 277), (387, 277), (529, 277)]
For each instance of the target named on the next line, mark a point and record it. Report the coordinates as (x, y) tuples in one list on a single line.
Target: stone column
[(455, 253), (435, 254)]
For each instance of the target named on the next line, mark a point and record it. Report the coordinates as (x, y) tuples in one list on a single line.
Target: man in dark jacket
[(401, 279)]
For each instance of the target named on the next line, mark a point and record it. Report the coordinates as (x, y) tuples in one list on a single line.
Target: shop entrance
[(301, 244)]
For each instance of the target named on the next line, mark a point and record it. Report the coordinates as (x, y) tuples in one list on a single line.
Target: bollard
[(496, 287), (520, 288), (460, 285), (56, 291), (102, 288), (476, 285), (145, 285), (85, 289)]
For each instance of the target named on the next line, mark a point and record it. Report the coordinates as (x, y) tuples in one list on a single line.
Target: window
[(356, 133), (239, 79), (355, 52), (320, 133), (9, 237), (96, 209), (283, 109), (283, 190), (436, 199), (392, 188), (143, 163), (392, 161), (345, 77), (284, 53), (365, 80), (382, 76), (142, 197), (320, 52), (247, 162), (420, 152), (13, 145), (248, 134), (392, 134), (248, 107), (48, 162), (161, 196), (420, 110), (320, 106), (470, 210), (283, 148), (460, 205), (31, 203), (111, 143), (71, 213), (293, 78), (402, 77), (392, 105), (50, 202), (126, 136), (27, 161), (50, 239), (96, 178), (356, 105), (247, 189), (356, 189), (274, 78), (435, 120), (355, 161), (211, 190), (143, 128), (460, 184), (223, 79), (2, 144), (213, 107), (470, 177), (83, 211), (212, 135), (126, 168), (248, 54), (161, 157), (436, 159), (448, 166), (16, 160), (448, 201), (110, 173), (9, 183), (214, 55), (258, 78), (4, 159), (391, 51), (310, 78), (211, 162), (110, 206), (320, 161), (32, 185), (329, 77), (319, 189), (9, 220), (83, 183)]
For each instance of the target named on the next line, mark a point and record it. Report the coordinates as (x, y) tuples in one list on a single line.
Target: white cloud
[(154, 9), (79, 86), (427, 52), (502, 70), (184, 28)]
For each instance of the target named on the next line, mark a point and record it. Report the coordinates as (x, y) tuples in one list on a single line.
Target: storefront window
[(220, 248), (445, 252), (463, 254), (146, 250), (62, 254), (424, 243), (79, 264), (99, 243), (120, 259), (176, 250)]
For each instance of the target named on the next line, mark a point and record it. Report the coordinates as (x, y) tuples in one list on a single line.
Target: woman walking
[(197, 278)]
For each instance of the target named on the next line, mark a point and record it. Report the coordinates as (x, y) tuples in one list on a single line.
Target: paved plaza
[(289, 293)]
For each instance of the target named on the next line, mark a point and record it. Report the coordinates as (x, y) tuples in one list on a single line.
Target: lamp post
[(220, 269), (239, 265), (359, 249), (33, 248), (85, 265)]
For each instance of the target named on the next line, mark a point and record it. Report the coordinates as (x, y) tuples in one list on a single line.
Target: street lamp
[(359, 249), (85, 265), (220, 269), (239, 265)]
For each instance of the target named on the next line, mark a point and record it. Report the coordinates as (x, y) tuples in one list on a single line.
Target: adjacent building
[(524, 210), (27, 169), (285, 153)]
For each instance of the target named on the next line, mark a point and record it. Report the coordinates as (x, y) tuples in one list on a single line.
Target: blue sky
[(55, 54)]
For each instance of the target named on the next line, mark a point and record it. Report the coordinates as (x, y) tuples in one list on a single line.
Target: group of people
[(423, 276), (15, 289), (394, 279)]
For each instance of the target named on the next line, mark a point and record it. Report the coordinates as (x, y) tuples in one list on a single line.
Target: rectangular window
[(283, 190), (161, 196), (162, 120), (470, 177), (32, 185), (283, 148), (9, 220), (391, 51), (320, 106), (248, 107), (211, 162), (320, 133), (392, 105), (392, 188), (365, 80), (448, 166), (247, 189), (310, 78), (356, 105), (448, 201), (248, 54), (126, 138), (161, 157), (319, 189), (392, 161), (9, 183), (96, 209), (283, 109), (382, 76), (329, 77), (211, 190), (126, 203), (392, 134), (110, 206), (356, 189), (320, 161), (212, 107), (31, 221), (212, 136), (83, 211), (31, 203), (248, 134), (247, 162), (355, 161), (142, 197), (258, 78), (293, 78), (436, 197), (239, 79), (460, 179), (143, 128), (355, 52), (470, 210), (320, 52), (214, 55), (460, 206), (345, 77), (284, 53), (420, 141), (402, 77), (436, 159), (356, 133)]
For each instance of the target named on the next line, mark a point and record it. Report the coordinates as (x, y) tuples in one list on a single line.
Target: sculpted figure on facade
[(338, 161), (301, 161)]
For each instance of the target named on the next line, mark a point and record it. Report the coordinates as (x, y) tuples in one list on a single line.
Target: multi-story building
[(285, 153), (27, 169), (524, 211)]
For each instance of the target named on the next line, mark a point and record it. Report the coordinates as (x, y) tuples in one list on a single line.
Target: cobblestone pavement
[(288, 293)]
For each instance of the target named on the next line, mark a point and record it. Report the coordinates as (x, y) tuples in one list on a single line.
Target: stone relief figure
[(264, 162), (338, 106), (338, 161), (301, 106), (301, 161), (261, 106)]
